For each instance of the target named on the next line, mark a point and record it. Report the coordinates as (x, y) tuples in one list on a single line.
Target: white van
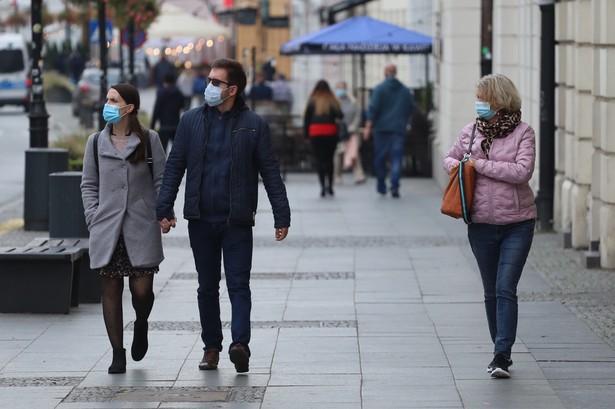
[(14, 71)]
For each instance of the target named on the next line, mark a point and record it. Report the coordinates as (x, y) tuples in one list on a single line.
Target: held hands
[(166, 225), (281, 233), (366, 133)]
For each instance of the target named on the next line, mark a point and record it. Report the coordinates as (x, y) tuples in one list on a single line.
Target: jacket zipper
[(206, 128), (230, 179)]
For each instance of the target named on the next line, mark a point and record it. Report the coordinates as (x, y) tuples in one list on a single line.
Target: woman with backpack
[(122, 172)]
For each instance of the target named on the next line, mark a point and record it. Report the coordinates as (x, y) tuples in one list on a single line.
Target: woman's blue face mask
[(483, 109), (111, 113)]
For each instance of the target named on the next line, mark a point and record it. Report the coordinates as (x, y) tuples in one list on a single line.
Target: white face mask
[(213, 95)]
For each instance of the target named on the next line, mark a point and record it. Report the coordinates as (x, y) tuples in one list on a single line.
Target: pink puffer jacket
[(502, 194)]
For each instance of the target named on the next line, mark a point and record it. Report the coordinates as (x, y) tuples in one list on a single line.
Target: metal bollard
[(66, 218), (40, 162)]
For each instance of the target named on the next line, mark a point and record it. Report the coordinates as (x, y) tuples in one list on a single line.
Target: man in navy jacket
[(390, 107), (222, 147)]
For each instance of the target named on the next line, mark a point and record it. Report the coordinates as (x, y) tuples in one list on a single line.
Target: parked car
[(14, 71), (87, 92)]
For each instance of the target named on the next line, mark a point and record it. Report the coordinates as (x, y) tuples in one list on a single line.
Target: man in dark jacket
[(390, 107), (260, 90), (222, 147), (167, 109)]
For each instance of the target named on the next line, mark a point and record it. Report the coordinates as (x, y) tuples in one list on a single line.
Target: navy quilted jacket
[(251, 154)]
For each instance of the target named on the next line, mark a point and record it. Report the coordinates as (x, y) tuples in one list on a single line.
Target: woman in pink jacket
[(503, 210)]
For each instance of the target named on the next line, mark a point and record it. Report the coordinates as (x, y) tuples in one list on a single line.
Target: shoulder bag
[(459, 192)]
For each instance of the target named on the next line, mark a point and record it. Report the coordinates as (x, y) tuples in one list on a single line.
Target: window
[(11, 61)]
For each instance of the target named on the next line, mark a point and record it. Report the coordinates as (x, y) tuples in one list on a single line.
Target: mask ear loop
[(127, 111), (229, 94)]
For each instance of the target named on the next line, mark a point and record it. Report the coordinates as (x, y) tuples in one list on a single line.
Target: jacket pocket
[(93, 217), (243, 140)]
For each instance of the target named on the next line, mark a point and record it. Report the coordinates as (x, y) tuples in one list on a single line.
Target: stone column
[(603, 90)]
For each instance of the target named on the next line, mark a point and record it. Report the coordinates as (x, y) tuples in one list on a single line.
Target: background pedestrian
[(167, 109), (320, 127), (390, 108), (347, 155)]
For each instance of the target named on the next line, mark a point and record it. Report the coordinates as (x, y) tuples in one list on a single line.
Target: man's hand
[(281, 233), (166, 225)]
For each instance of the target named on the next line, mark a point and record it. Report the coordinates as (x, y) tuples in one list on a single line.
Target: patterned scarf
[(500, 129)]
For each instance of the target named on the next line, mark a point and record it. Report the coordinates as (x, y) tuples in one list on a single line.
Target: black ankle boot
[(139, 340), (119, 361)]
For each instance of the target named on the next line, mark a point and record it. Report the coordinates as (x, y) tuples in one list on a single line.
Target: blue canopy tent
[(360, 35)]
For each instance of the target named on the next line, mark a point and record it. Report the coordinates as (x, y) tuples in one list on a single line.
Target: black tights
[(142, 292), (324, 151)]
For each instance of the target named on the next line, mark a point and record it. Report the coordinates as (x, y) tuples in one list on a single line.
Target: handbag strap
[(464, 210), (466, 156)]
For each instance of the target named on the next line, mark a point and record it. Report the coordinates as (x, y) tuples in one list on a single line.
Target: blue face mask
[(483, 109), (111, 113), (340, 92), (213, 95)]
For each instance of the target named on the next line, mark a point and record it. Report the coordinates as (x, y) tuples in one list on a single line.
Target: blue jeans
[(388, 144), (501, 252), (209, 242)]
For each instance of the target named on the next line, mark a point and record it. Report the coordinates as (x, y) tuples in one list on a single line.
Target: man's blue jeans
[(209, 242), (388, 144), (501, 252)]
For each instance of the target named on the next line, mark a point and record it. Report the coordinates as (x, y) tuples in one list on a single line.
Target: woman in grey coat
[(119, 191)]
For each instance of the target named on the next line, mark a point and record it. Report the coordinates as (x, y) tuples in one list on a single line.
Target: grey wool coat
[(122, 200)]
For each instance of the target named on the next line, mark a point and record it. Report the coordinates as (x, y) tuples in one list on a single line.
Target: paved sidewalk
[(371, 302)]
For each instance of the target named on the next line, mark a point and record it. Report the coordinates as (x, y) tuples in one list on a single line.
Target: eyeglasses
[(216, 82)]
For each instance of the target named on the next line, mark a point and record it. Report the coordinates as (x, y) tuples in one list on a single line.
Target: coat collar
[(107, 148)]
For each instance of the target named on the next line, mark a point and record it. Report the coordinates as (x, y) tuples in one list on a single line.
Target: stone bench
[(37, 279), (86, 283)]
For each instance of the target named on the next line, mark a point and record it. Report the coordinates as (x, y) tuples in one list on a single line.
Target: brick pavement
[(323, 291)]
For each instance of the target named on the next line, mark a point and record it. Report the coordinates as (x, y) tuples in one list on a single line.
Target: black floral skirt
[(120, 266)]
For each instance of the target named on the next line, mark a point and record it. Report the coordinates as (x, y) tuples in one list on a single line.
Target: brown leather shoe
[(210, 359), (240, 357)]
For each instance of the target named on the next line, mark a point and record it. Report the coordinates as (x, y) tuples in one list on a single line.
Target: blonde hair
[(323, 99), (500, 91)]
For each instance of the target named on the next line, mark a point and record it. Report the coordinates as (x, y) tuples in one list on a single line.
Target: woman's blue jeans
[(501, 252), (388, 144), (209, 242)]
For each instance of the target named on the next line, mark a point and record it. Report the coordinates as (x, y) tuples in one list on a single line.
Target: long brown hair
[(323, 99), (131, 95)]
